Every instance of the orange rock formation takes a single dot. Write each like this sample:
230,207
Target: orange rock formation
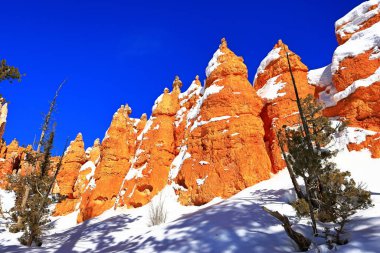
215,140
274,85
224,151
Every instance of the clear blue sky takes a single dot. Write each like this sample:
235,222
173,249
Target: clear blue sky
116,52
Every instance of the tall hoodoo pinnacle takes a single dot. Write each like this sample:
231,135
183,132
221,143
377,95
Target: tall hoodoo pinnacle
177,83
223,43
197,80
128,109
223,63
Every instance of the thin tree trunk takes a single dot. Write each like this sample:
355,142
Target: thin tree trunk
302,115
48,116
302,242
23,204
308,142
296,186
54,178
45,126
311,210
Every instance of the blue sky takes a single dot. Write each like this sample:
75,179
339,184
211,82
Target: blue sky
114,52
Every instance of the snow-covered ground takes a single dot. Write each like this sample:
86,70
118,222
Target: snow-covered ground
237,224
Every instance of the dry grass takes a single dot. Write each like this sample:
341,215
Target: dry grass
157,211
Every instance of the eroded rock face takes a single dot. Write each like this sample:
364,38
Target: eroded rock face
350,85
72,161
224,126
3,116
155,152
360,18
116,150
355,68
216,140
274,85
372,142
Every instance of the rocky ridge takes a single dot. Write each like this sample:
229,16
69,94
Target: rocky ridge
216,139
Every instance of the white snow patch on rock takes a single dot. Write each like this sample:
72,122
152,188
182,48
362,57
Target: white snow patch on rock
359,43
320,77
213,63
158,100
201,181
177,162
86,166
273,55
271,89
201,123
375,53
3,113
354,20
135,172
330,97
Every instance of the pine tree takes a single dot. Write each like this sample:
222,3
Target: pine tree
9,73
331,195
32,190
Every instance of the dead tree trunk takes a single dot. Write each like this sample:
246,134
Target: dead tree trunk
296,186
302,242
308,143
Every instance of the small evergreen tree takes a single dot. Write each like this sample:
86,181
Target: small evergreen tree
341,198
9,73
32,190
30,213
331,195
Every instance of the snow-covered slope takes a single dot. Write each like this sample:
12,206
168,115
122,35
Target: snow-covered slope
237,224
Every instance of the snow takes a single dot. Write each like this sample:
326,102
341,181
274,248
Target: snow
236,224
201,123
158,100
194,112
273,55
135,172
271,89
213,63
375,53
321,77
91,184
3,113
193,90
331,97
353,20
203,162
7,200
177,162
86,166
88,151
201,181
106,136
357,135
146,128
359,43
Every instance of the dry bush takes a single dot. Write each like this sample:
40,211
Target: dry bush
157,211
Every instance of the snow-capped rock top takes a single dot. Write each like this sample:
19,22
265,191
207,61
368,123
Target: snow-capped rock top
359,43
273,55
224,63
321,77
361,17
